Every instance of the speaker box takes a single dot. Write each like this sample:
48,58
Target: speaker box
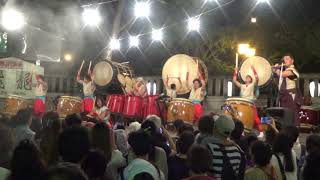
284,117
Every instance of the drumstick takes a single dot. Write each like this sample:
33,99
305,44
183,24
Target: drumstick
89,69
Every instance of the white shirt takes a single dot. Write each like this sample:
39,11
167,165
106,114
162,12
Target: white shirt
291,84
196,94
4,173
171,93
41,89
290,175
247,91
88,88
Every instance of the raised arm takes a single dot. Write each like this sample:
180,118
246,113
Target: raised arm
255,75
235,81
78,74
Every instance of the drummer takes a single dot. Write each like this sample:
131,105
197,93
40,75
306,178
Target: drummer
248,91
196,96
41,89
101,110
140,88
88,89
171,90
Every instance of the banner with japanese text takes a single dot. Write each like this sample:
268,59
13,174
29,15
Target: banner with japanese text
16,77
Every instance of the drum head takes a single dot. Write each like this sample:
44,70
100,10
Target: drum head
239,100
261,65
102,73
121,79
179,66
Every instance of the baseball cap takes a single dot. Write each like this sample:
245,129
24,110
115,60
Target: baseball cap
224,125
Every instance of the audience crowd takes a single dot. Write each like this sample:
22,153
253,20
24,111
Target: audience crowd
76,148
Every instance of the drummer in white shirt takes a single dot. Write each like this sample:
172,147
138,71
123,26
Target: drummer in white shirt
88,90
248,91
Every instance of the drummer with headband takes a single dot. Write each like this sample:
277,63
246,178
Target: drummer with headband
197,94
248,91
41,89
88,89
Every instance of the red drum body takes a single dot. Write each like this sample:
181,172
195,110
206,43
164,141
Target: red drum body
115,103
133,106
150,106
309,116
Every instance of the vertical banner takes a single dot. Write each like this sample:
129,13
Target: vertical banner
16,78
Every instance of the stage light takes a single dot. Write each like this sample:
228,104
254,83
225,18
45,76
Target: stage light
157,34
134,41
12,20
263,1
91,17
253,20
114,44
68,57
142,9
243,48
193,24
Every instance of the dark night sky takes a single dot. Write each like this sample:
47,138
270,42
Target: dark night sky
61,19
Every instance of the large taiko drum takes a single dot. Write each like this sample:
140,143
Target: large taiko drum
261,65
68,105
12,104
309,117
133,106
106,72
241,109
115,103
180,109
181,70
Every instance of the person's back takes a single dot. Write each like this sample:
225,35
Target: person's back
177,167
22,130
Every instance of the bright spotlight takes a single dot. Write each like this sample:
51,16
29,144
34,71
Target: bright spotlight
12,20
91,17
142,9
194,24
114,44
253,20
263,1
134,41
157,34
68,57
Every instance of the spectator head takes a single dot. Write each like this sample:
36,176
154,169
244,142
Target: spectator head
185,128
73,144
223,126
238,130
140,143
206,124
270,135
26,162
51,120
73,119
313,143
251,139
261,153
6,144
178,124
24,117
292,132
133,127
155,119
283,144
101,139
184,142
65,171
199,159
311,169
150,127
94,164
